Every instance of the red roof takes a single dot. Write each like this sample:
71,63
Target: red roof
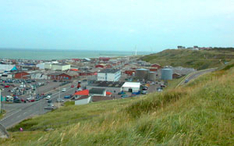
74,69
108,93
83,92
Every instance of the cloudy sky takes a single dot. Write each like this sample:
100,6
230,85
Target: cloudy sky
115,24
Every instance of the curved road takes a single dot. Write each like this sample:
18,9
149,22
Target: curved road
195,75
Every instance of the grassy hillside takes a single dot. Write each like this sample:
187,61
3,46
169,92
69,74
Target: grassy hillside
200,113
188,58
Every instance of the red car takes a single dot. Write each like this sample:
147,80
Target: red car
72,86
31,100
7,86
23,100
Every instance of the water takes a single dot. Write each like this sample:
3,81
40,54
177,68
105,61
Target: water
39,54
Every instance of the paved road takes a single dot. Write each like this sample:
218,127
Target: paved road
18,112
196,75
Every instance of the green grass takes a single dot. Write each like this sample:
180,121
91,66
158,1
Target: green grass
173,83
2,114
188,58
200,113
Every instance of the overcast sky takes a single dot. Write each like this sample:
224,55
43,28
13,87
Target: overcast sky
116,24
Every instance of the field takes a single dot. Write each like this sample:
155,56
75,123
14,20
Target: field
193,59
200,113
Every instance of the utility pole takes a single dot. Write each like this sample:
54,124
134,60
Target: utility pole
0,100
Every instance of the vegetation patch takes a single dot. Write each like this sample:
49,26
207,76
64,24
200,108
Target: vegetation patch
202,59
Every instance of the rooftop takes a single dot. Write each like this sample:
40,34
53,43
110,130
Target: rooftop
107,84
97,91
109,70
132,84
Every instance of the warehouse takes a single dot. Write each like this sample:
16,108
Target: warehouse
60,67
6,67
131,86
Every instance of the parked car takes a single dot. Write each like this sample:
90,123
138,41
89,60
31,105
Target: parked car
6,86
17,100
48,97
144,92
67,97
64,90
9,98
159,89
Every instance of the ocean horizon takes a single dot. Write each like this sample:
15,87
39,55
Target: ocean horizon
49,54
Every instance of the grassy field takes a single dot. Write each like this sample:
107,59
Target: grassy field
188,58
200,113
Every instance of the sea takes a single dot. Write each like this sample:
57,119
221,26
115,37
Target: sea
45,54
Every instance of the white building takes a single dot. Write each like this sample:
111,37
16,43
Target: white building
109,75
131,86
38,76
56,66
60,67
5,76
6,67
48,65
41,66
83,100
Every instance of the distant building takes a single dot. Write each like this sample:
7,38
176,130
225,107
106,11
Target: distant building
56,66
104,59
61,67
6,67
180,47
41,66
22,75
109,75
61,76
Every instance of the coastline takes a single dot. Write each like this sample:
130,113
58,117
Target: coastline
61,54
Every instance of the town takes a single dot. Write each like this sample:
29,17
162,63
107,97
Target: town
83,80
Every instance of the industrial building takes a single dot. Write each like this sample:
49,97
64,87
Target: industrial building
113,87
166,74
60,67
56,66
131,86
142,74
7,67
152,76
109,75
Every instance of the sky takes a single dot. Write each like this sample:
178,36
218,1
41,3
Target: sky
116,25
